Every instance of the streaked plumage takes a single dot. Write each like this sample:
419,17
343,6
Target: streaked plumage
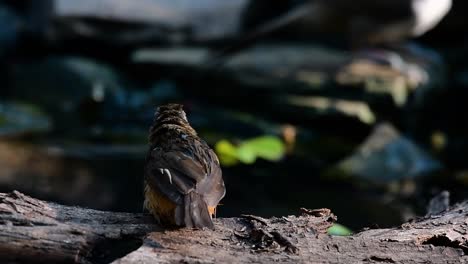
183,179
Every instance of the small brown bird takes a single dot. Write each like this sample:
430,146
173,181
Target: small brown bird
183,179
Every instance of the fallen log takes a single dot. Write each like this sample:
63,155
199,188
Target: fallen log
34,231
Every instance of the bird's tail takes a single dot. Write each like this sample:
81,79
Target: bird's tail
193,212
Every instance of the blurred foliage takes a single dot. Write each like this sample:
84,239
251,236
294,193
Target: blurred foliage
266,147
339,230
20,118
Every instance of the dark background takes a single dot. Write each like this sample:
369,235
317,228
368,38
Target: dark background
79,92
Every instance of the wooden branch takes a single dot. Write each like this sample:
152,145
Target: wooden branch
437,239
33,231
36,231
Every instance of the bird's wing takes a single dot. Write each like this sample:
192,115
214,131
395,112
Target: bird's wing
212,187
173,173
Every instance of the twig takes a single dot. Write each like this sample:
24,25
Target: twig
259,219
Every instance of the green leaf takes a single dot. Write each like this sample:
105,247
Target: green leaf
227,153
246,154
339,230
267,147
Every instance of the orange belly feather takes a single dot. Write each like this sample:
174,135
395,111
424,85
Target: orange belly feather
159,206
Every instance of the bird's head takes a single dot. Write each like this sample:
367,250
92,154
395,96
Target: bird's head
169,121
170,111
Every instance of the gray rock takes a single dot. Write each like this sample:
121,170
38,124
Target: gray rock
439,203
62,82
387,156
153,20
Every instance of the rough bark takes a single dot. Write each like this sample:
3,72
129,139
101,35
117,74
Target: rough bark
33,231
36,231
